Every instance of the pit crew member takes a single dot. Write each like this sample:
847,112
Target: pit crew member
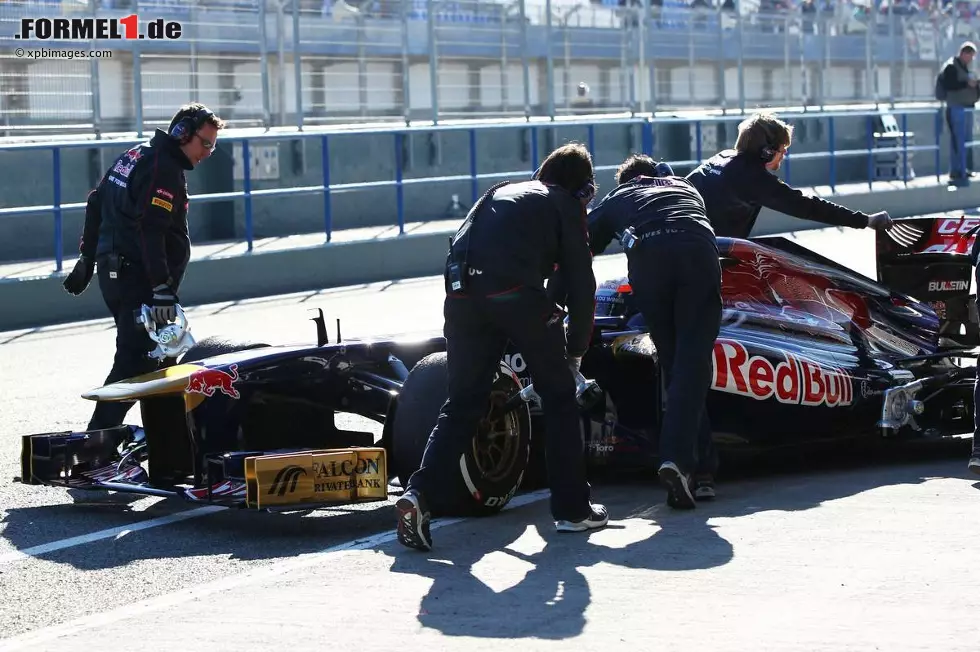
676,281
136,234
509,243
737,183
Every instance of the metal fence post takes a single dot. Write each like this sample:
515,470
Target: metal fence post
653,64
738,49
56,161
281,61
870,83
137,80
192,54
264,64
474,183
433,60
247,192
690,60
786,69
641,67
362,74
298,67
550,76
905,148
524,64
406,65
720,83
891,67
94,83
399,189
905,58
504,103
832,137
325,163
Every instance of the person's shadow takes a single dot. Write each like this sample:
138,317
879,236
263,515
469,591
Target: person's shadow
529,579
513,576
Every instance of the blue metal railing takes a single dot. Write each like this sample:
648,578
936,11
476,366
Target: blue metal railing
648,145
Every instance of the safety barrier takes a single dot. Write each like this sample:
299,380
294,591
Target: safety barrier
648,146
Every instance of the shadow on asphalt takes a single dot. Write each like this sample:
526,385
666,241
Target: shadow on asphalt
550,601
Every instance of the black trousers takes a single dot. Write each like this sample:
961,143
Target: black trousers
676,280
477,330
124,295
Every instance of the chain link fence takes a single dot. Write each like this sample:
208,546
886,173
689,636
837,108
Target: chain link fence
268,63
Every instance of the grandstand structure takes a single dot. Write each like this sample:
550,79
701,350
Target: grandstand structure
298,63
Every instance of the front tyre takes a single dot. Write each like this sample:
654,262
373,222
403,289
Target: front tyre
492,466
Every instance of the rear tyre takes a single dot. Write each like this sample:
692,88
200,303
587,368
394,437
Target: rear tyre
494,463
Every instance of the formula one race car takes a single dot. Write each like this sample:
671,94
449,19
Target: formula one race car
808,351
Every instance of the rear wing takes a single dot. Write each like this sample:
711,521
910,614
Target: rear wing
929,258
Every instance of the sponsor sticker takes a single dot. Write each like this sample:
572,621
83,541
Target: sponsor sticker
948,286
162,203
795,380
164,193
316,477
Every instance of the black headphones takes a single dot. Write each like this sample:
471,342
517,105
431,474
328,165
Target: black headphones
768,151
586,192
187,126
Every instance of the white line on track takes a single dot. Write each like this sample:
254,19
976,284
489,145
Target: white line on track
45,634
35,551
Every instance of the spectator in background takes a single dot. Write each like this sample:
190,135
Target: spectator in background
957,86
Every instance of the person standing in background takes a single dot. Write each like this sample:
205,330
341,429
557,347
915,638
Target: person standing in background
956,85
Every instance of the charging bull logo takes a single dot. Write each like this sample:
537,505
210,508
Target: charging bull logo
209,381
795,380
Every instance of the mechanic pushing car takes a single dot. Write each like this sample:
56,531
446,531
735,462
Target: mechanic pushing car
498,261
136,233
737,183
675,277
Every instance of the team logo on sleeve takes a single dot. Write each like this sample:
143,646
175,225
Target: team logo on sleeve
165,193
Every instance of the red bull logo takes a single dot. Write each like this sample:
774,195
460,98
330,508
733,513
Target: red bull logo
209,381
794,380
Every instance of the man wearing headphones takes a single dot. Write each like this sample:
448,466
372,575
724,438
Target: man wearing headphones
136,232
737,183
675,278
509,243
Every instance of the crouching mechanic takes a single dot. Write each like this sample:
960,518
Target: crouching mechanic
498,261
676,280
136,231
737,183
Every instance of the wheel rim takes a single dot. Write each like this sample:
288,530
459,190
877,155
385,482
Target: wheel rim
496,446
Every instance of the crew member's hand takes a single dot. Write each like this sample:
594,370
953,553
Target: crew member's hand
880,221
79,278
574,364
162,306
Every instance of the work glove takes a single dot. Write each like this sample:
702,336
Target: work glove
880,221
79,277
574,364
162,307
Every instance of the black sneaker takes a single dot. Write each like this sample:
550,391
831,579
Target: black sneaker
413,521
974,463
678,486
597,519
704,487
